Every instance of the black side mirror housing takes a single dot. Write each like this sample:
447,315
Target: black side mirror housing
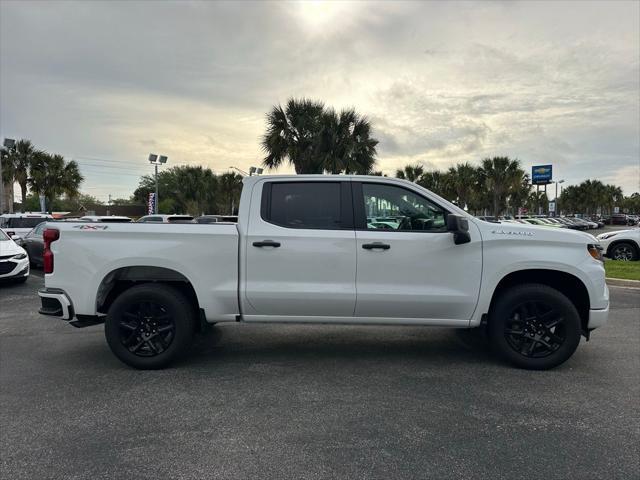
459,226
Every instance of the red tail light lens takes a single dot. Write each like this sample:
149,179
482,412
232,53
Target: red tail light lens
49,235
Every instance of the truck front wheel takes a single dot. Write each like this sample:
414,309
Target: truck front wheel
534,327
150,325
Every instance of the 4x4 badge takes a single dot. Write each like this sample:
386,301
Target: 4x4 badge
91,227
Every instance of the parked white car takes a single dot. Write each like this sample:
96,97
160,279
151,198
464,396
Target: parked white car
303,251
157,218
14,261
22,223
621,244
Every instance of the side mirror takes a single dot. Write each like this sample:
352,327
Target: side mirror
11,234
459,226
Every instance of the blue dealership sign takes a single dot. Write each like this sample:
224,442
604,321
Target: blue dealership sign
541,174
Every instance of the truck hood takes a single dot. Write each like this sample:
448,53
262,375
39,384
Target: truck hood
534,232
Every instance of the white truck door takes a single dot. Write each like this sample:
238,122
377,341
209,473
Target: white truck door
408,265
300,250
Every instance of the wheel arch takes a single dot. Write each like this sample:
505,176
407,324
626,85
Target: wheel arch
630,241
569,285
123,278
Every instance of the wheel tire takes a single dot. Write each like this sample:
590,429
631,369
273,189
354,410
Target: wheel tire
529,308
624,251
146,310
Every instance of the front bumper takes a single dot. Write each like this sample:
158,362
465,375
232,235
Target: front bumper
598,318
14,268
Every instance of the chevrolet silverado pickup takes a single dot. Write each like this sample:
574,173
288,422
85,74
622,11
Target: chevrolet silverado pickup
328,249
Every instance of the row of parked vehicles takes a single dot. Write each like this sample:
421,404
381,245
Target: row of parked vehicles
22,241
574,223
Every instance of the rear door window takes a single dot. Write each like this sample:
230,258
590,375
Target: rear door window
314,205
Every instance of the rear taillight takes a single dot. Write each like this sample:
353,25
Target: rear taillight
49,235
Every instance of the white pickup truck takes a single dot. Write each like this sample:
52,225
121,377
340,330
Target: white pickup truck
328,249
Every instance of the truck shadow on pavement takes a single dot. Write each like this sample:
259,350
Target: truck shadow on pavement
304,346
308,344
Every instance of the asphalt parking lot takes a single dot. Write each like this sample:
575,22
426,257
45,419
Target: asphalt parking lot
314,402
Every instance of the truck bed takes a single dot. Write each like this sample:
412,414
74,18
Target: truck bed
88,256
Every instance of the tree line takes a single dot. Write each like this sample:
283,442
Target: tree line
41,172
593,197
500,186
192,189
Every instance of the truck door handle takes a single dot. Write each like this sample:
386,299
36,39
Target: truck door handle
266,243
371,246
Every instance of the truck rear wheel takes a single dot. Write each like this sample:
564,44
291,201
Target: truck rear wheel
149,326
534,327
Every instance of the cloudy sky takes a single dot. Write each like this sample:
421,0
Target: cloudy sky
443,82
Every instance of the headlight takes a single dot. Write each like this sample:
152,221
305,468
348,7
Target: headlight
19,256
604,236
595,251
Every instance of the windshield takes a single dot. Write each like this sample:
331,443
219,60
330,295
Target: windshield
3,236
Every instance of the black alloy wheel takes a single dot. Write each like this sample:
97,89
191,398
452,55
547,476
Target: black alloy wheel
146,329
150,325
534,326
535,329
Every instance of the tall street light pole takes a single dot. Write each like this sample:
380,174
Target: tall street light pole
252,171
156,160
556,197
241,171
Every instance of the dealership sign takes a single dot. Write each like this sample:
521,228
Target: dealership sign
151,204
541,174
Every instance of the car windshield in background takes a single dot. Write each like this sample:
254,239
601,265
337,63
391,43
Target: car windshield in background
180,219
24,222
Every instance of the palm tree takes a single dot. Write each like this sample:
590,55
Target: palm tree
8,177
520,195
193,188
52,176
230,186
463,179
22,156
413,173
436,181
314,139
500,176
361,153
613,196
292,136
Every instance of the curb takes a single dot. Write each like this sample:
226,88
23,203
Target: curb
618,282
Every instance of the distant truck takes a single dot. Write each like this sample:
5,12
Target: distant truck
304,251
